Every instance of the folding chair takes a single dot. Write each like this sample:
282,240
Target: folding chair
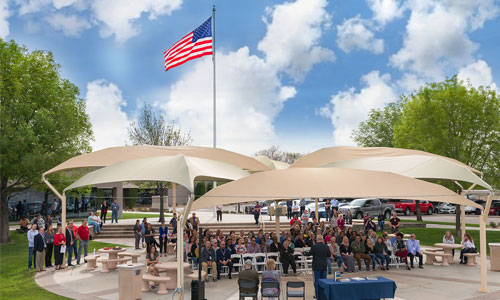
249,256
300,260
276,257
237,263
270,285
247,285
308,260
260,261
295,293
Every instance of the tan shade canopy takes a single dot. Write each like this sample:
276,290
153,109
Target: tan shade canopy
272,164
110,156
415,166
179,169
334,154
296,183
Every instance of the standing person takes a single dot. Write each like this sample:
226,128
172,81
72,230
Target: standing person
25,208
341,222
144,225
295,209
54,207
328,206
305,217
335,204
400,249
219,213
137,233
394,223
223,259
289,205
70,242
163,238
59,240
49,240
150,238
348,217
381,221
413,247
19,210
195,221
31,245
82,234
449,239
358,248
256,213
104,211
302,205
40,245
208,259
115,207
320,253
173,223
75,245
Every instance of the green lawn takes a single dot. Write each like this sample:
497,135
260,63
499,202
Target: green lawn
430,236
441,223
16,282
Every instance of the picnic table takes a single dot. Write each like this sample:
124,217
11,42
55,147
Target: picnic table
393,235
170,268
447,249
112,254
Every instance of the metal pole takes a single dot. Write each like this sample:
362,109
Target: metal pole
482,242
174,196
213,60
277,218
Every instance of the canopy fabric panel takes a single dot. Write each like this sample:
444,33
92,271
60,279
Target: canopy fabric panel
272,164
113,155
335,154
415,166
179,169
296,183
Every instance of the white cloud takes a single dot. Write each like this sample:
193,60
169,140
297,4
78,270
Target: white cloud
384,11
70,25
118,16
31,6
436,37
105,108
478,73
410,82
4,16
291,43
356,33
348,108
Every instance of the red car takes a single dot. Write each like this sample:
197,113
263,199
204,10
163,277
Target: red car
410,206
495,209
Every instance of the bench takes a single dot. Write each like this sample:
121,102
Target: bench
105,268
471,259
194,275
170,248
91,261
132,255
431,258
162,289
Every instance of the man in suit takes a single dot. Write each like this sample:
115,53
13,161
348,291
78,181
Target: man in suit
70,242
208,258
223,259
249,275
320,253
40,246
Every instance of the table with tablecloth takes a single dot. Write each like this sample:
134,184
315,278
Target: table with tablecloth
354,290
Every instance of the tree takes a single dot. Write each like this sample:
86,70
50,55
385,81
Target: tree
275,153
42,121
151,129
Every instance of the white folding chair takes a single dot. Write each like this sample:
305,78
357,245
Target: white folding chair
237,263
300,260
276,257
260,261
308,261
249,256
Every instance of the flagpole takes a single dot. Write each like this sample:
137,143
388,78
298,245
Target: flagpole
213,60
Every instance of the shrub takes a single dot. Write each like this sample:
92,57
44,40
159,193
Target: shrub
493,224
130,197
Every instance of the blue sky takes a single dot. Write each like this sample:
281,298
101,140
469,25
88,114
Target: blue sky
298,74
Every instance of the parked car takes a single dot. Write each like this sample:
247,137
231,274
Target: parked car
373,206
495,209
410,206
321,208
265,210
470,209
447,208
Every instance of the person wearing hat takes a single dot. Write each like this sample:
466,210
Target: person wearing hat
249,275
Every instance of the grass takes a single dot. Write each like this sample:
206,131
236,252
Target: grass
430,236
439,223
16,282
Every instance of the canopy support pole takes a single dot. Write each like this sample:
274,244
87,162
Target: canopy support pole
462,220
316,212
63,200
277,218
174,197
484,262
180,248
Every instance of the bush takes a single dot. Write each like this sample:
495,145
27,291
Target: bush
199,190
130,198
493,224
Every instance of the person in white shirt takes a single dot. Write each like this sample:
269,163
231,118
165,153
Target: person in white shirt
305,217
468,247
31,245
295,208
219,212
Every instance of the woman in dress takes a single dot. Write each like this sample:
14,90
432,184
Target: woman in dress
59,240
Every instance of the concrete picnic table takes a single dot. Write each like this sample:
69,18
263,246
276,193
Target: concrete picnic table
447,249
112,254
393,235
170,268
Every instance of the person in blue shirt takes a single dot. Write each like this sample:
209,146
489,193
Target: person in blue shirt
223,259
143,230
114,211
31,245
413,247
163,239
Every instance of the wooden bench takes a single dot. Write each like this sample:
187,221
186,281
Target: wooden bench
134,256
471,259
194,275
105,268
147,279
431,258
91,261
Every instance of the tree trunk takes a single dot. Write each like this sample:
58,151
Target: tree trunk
419,213
458,223
4,215
162,208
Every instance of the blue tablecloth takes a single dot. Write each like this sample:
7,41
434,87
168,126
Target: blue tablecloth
356,290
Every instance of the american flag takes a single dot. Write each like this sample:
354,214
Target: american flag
195,44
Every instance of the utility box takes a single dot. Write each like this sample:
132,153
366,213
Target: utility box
494,256
130,281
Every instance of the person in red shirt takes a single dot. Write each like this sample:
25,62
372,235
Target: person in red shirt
82,234
59,240
295,220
